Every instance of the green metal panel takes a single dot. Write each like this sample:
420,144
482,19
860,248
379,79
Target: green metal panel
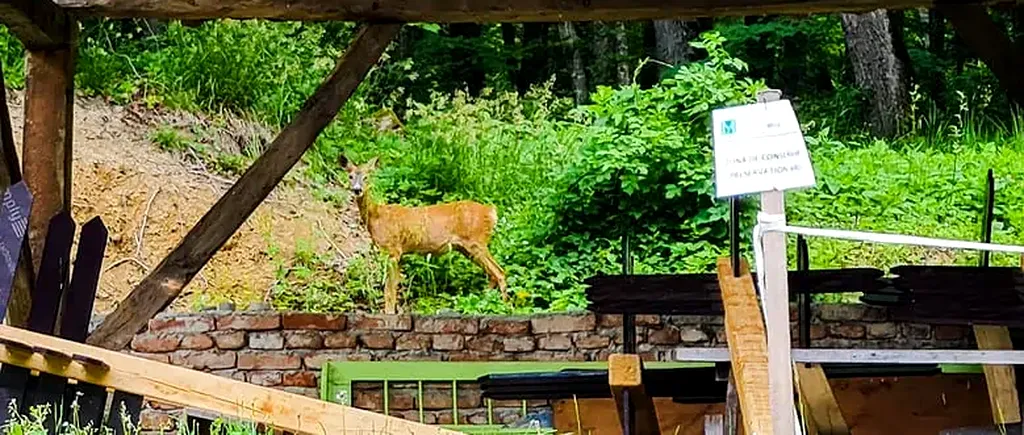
337,377
961,368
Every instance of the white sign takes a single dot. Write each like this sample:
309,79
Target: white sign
759,148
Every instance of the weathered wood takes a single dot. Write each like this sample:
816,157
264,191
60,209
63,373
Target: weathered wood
775,302
192,388
10,174
990,43
748,348
817,396
625,378
38,23
732,407
46,147
170,277
868,356
1001,380
474,11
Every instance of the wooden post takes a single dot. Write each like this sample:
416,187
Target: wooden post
625,378
46,147
819,401
775,299
170,277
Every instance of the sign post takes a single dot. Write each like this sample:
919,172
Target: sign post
759,148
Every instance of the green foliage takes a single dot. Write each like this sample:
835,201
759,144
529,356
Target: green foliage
313,281
35,424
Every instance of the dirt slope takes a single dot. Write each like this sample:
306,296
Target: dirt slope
149,199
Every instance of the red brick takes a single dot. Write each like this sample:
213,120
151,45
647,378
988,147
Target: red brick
197,342
299,379
592,341
182,324
847,331
518,344
370,400
266,379
273,340
303,340
669,335
504,326
312,393
446,325
875,330
448,342
268,360
232,340
204,360
230,374
377,340
950,332
692,335
472,356
377,322
316,360
160,406
609,320
155,343
249,322
323,322
340,340
563,323
484,343
555,342
155,420
412,341
401,398
916,330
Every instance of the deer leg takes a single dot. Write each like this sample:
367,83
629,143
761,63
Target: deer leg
391,287
482,256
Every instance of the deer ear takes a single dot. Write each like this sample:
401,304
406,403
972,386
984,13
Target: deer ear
372,164
345,163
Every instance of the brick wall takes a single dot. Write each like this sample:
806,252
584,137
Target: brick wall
286,350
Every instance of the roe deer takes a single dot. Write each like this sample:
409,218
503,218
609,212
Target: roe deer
465,226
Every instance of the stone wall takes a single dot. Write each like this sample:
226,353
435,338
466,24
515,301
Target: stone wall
286,350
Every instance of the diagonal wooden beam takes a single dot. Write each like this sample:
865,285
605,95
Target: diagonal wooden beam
170,277
38,23
477,10
817,396
748,346
1000,379
990,43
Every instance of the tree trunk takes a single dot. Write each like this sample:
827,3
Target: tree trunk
577,72
508,39
623,74
535,61
672,40
467,62
877,68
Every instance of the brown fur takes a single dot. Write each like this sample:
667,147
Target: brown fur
465,226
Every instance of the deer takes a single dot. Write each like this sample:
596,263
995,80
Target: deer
465,226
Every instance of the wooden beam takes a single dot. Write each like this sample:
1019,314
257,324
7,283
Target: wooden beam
37,23
869,356
181,386
1000,379
475,11
10,173
990,43
170,277
816,394
625,374
46,147
748,348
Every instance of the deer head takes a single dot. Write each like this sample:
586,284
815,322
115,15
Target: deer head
358,176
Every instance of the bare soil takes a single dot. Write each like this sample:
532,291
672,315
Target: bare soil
149,199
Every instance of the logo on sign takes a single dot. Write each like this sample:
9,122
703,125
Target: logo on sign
729,127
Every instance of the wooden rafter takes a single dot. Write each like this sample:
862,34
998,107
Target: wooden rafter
475,10
38,23
170,277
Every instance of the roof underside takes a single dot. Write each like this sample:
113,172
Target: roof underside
479,10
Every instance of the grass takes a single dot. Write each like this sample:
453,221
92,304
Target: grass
36,421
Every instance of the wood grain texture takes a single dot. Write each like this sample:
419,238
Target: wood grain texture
37,23
180,386
818,399
474,11
625,373
170,277
1000,379
748,348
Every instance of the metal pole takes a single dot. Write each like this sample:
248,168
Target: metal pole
628,336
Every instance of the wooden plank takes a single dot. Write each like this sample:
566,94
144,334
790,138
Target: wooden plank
170,277
1000,379
625,378
46,147
989,41
474,11
816,394
869,356
37,23
10,174
748,348
181,386
714,424
732,407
